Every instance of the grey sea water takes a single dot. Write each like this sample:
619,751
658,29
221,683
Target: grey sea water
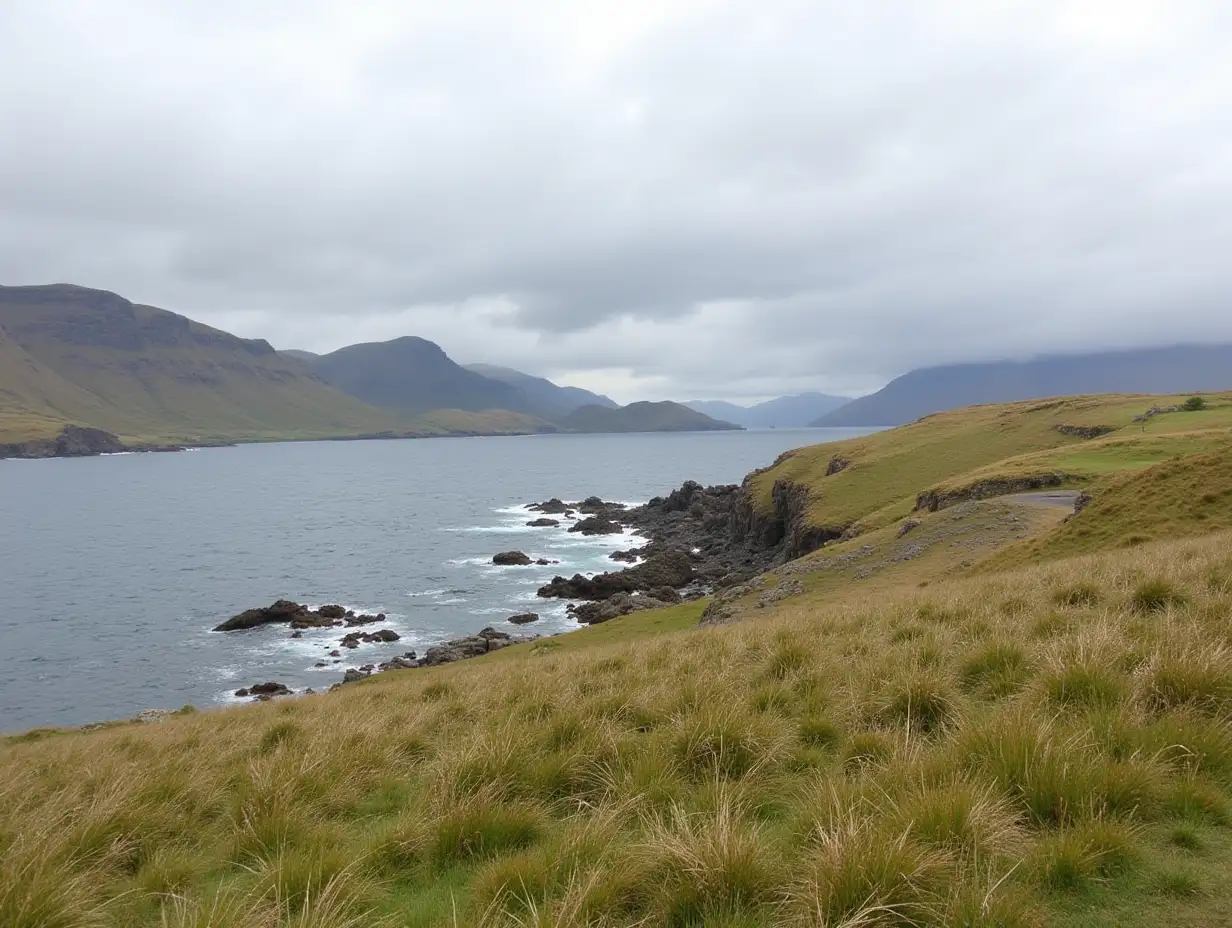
113,570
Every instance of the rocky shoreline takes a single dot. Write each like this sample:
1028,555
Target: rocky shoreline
76,441
700,540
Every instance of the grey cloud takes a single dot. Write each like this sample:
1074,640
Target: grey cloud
863,187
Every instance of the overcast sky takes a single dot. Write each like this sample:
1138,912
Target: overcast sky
655,199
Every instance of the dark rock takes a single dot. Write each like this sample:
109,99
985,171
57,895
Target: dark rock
385,635
632,556
596,525
333,611
354,676
512,559
269,689
72,442
284,610
242,692
335,653
907,526
935,500
836,466
544,523
1082,501
523,618
320,664
297,634
674,569
553,506
544,562
1086,432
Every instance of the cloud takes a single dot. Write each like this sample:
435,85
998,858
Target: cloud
657,199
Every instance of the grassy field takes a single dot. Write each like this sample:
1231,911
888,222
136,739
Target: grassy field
973,723
886,471
1181,497
1045,747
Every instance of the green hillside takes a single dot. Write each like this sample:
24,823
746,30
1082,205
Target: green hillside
985,450
94,358
642,417
905,729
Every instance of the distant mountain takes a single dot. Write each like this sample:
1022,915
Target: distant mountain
73,355
552,400
642,417
298,355
1175,369
786,412
413,375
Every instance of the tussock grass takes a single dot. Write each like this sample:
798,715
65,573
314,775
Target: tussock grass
814,767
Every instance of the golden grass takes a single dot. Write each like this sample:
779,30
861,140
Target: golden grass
1037,738
956,449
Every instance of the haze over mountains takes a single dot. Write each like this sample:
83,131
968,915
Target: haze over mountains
1171,369
786,412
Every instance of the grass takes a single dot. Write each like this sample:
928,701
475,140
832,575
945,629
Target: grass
953,450
979,723
813,767
1191,495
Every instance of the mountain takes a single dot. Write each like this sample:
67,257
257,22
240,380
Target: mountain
308,356
413,375
552,400
642,417
786,412
1174,369
73,355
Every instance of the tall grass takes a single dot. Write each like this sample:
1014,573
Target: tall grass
814,767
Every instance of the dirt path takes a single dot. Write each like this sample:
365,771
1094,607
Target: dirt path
1061,498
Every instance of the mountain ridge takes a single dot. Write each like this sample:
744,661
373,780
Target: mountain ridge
921,392
794,411
664,416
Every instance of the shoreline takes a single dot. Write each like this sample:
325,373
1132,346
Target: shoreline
10,451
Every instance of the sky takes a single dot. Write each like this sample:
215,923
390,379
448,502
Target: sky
650,198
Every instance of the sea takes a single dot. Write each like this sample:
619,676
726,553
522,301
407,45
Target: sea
114,570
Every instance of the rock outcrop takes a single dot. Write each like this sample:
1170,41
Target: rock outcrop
512,559
74,441
298,616
935,500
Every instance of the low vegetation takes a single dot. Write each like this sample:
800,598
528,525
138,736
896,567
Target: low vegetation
1071,441
996,715
1051,746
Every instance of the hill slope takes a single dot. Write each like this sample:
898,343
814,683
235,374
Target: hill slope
642,417
551,400
413,375
785,412
93,358
1182,368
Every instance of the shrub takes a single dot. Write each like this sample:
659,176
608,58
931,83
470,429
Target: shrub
1195,800
1156,596
1194,404
1086,684
1177,884
726,744
481,828
997,669
819,733
922,702
1081,595
1050,774
961,817
858,873
1187,678
710,865
1092,850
